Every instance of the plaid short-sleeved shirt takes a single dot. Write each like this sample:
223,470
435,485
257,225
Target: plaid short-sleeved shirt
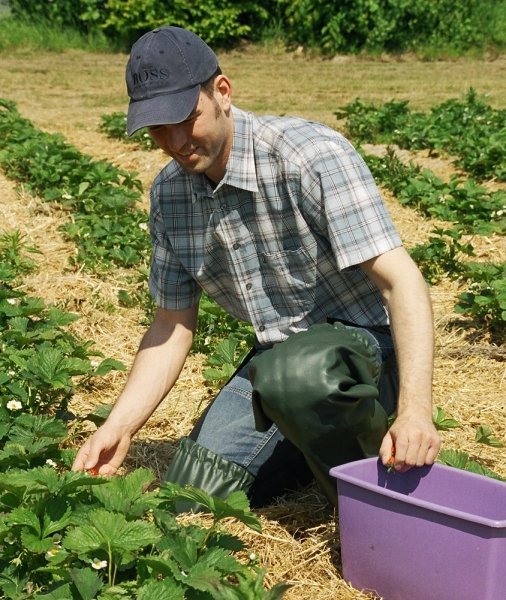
279,241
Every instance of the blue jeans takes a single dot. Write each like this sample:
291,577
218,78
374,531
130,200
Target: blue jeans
228,429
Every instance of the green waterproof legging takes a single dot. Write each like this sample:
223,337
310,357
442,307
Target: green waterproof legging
321,387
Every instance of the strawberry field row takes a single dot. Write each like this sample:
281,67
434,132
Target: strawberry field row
471,210
107,227
469,129
68,535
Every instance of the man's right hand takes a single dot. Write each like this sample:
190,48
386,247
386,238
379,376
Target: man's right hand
104,452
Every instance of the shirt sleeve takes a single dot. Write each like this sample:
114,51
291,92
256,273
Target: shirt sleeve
171,286
344,202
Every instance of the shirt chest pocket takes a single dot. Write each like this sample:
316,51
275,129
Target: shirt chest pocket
289,277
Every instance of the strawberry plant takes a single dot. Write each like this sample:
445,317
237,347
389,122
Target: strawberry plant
367,123
28,440
138,293
484,436
40,359
441,421
114,126
460,460
215,324
73,536
389,171
466,203
442,255
485,299
13,261
224,360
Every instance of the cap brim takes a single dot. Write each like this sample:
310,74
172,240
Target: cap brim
161,110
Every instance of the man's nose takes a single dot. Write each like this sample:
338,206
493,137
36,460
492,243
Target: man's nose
175,137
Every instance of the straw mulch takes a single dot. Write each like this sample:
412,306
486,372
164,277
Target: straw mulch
300,538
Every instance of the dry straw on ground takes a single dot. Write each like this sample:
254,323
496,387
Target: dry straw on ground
300,538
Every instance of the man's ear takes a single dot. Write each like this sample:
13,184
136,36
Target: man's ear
223,91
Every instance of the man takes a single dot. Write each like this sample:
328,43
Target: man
279,220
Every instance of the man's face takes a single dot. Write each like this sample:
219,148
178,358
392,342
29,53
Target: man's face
201,143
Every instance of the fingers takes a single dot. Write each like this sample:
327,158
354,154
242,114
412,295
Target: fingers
416,442
111,460
103,453
81,457
386,449
88,456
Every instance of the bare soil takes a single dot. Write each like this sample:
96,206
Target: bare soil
69,92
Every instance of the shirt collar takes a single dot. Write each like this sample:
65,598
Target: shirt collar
241,169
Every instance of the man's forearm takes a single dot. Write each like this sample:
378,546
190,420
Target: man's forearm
413,331
410,311
157,365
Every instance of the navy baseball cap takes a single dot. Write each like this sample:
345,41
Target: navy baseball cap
163,76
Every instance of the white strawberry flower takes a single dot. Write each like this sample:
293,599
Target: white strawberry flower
143,226
51,463
14,405
98,564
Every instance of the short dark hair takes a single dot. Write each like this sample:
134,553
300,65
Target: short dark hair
208,86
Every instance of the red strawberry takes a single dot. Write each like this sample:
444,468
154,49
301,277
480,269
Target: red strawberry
391,461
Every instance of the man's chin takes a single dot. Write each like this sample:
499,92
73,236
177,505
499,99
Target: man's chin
191,168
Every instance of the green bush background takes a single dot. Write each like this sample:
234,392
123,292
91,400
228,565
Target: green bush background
333,26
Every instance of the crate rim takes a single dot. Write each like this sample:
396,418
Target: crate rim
340,474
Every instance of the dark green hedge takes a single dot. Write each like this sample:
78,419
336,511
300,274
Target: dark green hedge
335,26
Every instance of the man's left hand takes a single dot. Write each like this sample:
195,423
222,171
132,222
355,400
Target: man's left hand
415,439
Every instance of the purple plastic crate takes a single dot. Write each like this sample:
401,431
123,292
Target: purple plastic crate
432,533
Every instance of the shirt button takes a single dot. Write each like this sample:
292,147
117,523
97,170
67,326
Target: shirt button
235,246
261,328
223,206
249,286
